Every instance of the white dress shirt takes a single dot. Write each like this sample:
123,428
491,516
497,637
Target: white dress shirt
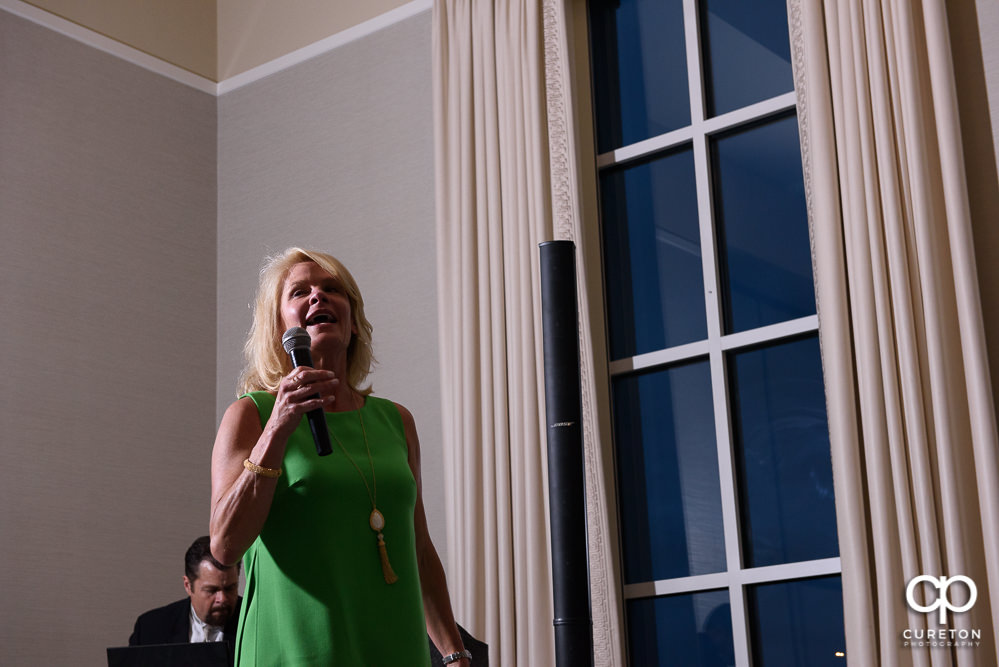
202,632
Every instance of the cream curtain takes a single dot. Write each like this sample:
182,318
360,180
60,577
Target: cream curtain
503,95
911,415
493,210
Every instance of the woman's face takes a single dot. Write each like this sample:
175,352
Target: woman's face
313,299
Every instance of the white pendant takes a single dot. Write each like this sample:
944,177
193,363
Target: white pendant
376,521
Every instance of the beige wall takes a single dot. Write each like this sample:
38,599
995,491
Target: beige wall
337,154
125,274
218,39
254,32
107,313
124,315
181,32
135,212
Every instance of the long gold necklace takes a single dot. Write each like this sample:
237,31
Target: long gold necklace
376,519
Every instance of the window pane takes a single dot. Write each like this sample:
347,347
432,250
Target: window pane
655,288
683,630
747,54
797,623
670,506
762,224
639,70
782,452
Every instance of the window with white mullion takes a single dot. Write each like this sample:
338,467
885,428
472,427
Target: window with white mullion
669,140
695,72
726,523
723,434
664,357
771,333
737,576
755,112
643,149
729,499
729,342
712,296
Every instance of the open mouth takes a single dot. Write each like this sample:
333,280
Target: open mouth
320,318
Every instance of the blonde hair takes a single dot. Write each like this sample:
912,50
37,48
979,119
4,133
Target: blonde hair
266,360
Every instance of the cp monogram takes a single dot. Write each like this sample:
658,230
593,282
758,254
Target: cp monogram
943,602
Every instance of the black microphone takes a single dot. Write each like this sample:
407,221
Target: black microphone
298,344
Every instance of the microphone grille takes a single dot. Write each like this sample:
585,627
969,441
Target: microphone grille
296,338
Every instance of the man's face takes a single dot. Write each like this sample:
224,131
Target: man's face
213,593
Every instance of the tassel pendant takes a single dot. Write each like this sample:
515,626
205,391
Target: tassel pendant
377,523
390,576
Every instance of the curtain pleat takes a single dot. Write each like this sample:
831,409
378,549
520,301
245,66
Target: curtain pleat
493,209
912,425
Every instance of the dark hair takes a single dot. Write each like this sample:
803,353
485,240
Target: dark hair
198,552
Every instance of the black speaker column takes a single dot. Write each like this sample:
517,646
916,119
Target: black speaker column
567,494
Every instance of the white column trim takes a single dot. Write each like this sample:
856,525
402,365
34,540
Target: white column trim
570,183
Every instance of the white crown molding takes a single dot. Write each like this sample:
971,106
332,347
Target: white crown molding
326,45
108,45
181,75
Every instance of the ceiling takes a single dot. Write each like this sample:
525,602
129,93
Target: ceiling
218,39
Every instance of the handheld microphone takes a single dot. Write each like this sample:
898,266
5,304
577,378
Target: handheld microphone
298,344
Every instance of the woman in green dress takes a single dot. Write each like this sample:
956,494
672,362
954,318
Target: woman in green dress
340,568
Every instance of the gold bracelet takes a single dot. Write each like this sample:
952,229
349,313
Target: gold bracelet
260,470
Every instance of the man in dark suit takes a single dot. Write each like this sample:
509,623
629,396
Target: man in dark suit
208,613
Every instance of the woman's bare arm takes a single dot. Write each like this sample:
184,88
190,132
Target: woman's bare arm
242,499
436,601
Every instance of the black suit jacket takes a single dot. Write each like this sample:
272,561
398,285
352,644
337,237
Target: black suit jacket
172,625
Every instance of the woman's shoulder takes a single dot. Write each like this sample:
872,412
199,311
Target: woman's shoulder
377,402
259,398
395,413
254,404
380,404
242,419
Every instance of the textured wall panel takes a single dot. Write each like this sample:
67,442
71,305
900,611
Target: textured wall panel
181,32
337,154
107,295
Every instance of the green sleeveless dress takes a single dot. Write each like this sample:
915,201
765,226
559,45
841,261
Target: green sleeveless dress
315,593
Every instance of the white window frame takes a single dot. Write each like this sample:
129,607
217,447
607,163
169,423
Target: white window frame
698,135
